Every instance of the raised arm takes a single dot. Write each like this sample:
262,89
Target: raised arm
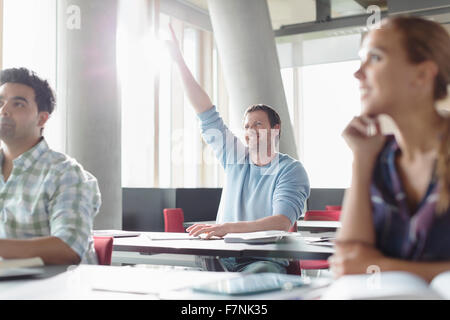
195,93
363,137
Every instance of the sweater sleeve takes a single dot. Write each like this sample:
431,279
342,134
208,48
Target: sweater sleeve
227,148
292,191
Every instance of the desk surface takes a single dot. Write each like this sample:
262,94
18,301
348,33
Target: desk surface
111,282
290,249
124,283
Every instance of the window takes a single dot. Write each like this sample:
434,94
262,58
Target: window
322,96
161,142
326,156
165,114
137,79
30,42
191,136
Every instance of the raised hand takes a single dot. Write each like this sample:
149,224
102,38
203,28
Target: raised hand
363,136
198,97
173,46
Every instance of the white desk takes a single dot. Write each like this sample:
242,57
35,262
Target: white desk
295,249
108,282
88,282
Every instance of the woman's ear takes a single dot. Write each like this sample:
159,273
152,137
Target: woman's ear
427,71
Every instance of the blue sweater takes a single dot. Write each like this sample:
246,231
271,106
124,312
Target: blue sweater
253,192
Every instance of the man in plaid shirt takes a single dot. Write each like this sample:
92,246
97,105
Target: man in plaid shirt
47,200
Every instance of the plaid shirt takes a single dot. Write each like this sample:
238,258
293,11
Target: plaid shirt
418,234
49,194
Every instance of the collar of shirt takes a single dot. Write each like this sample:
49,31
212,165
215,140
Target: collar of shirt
26,159
388,159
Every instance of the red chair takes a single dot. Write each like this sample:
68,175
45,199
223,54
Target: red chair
173,220
333,208
103,247
322,215
319,215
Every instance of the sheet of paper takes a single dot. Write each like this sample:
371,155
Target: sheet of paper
257,235
109,282
144,280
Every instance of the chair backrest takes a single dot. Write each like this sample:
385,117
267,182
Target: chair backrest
173,220
103,248
322,215
293,228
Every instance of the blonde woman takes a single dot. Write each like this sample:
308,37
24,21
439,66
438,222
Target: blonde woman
396,213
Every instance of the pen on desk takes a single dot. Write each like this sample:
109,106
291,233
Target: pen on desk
322,240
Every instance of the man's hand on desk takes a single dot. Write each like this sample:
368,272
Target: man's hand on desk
276,222
211,230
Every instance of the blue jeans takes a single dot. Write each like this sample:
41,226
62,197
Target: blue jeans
251,265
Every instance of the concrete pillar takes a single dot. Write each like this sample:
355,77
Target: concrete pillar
88,91
246,45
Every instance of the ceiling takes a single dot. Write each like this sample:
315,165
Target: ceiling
286,12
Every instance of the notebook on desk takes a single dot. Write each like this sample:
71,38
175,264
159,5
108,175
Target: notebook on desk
240,286
252,283
19,272
15,268
259,237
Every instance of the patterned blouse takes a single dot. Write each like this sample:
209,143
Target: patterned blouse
419,234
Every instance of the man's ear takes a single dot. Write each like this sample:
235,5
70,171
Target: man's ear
276,129
43,117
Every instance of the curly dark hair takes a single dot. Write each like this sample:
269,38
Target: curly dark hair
44,95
